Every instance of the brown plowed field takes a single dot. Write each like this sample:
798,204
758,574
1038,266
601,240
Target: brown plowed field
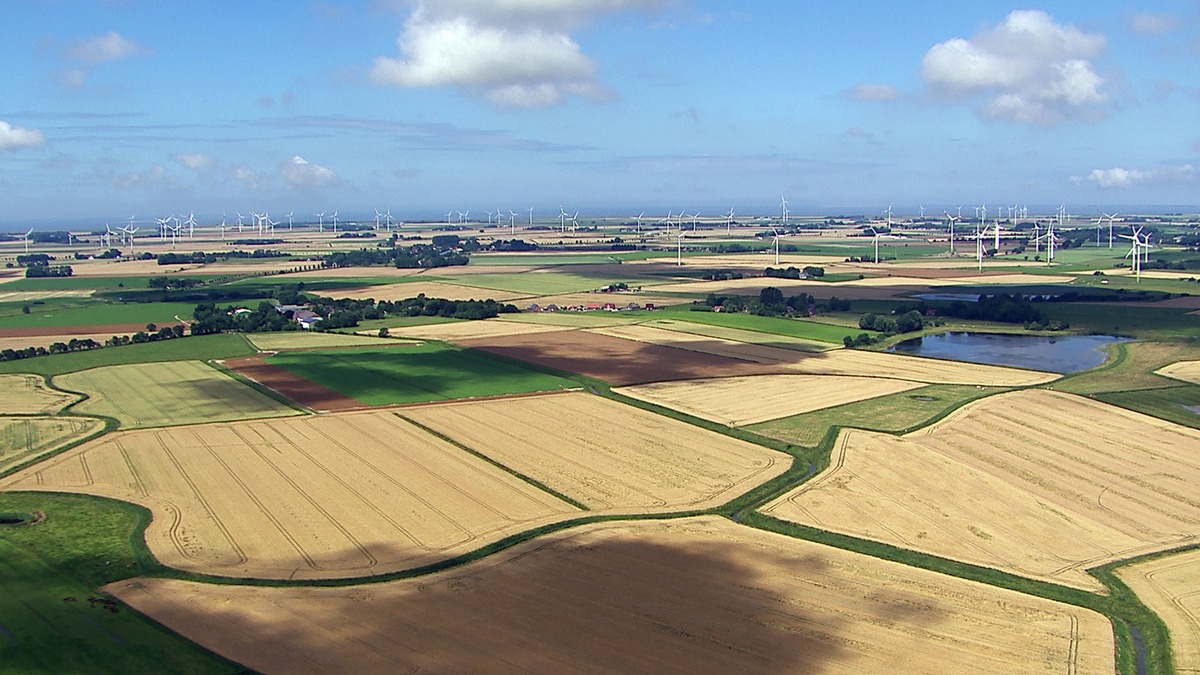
699,595
1037,483
614,360
305,392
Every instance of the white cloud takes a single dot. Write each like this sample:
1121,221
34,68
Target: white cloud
1118,177
512,52
15,138
195,162
102,48
249,178
1027,69
152,177
872,92
297,172
1147,24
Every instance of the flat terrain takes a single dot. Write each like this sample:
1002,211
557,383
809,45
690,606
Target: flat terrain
28,394
916,369
606,455
312,497
1037,483
282,341
304,392
431,289
170,393
615,360
756,353
738,401
681,596
1188,371
743,335
24,438
1170,587
469,330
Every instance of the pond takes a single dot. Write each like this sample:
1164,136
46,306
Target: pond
1056,354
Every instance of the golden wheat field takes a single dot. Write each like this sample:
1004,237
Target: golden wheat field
1188,371
1170,587
467,330
1037,483
693,595
916,369
737,401
303,339
25,438
314,497
28,394
169,393
431,289
606,455
741,335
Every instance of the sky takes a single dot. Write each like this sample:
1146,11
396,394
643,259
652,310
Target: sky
112,108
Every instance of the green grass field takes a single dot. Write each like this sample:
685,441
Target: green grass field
739,335
192,348
137,283
428,372
303,339
1175,404
83,543
895,413
94,313
168,393
796,328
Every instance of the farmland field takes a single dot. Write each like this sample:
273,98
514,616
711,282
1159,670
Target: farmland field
170,393
604,454
1188,371
467,330
741,335
24,438
314,497
25,393
536,282
694,595
298,339
576,319
1170,586
101,313
797,328
192,348
1037,483
917,369
410,288
744,351
739,401
416,374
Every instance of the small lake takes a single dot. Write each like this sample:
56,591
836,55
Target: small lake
1056,354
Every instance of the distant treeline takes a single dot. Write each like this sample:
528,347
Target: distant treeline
771,302
200,257
416,256
151,334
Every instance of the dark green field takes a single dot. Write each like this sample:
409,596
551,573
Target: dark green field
799,328
94,313
415,374
199,348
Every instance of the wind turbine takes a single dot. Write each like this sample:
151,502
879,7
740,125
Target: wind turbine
776,246
240,216
639,221
131,232
222,227
562,219
512,223
979,247
387,219
575,222
997,231
335,221
26,238
889,220
875,238
783,204
951,219
1110,227
1140,247
320,221
290,220
378,215
191,223
729,222
531,215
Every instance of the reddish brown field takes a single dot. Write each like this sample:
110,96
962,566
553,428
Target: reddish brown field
54,331
305,392
616,361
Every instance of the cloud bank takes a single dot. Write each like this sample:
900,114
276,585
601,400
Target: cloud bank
15,138
1028,69
1118,177
512,52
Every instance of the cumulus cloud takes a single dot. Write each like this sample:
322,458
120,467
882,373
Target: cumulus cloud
299,173
1027,69
512,52
15,138
195,162
872,92
1118,177
108,47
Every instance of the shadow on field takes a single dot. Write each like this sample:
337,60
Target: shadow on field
573,602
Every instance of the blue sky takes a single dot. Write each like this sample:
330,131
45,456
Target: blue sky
117,107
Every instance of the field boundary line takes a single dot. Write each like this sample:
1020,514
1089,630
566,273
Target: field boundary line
259,387
475,453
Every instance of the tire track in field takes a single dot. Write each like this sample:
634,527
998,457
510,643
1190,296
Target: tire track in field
196,492
308,498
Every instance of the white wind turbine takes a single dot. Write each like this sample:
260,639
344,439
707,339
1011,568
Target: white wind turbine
131,231
191,223
512,223
378,215
783,205
1140,247
776,246
290,220
980,237
875,239
320,221
729,221
951,220
222,227
26,238
1111,218
531,215
387,219
639,221
575,222
562,219
335,221
889,220
240,217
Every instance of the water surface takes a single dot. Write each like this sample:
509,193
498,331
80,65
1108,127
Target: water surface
1056,354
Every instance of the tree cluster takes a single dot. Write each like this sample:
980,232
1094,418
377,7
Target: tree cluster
418,255
771,302
793,273
44,270
907,322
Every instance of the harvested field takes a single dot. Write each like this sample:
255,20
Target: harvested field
349,273
29,296
687,596
27,394
1188,371
285,340
574,319
1170,587
25,438
606,455
469,330
431,289
7,341
305,392
742,335
312,497
621,300
821,289
916,369
65,333
169,393
1037,483
756,353
737,401
614,360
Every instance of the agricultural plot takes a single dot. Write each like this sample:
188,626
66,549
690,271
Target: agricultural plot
756,353
615,360
191,348
416,374
741,335
431,289
1037,483
28,394
535,282
314,497
575,319
25,438
1170,587
1188,371
285,340
694,595
792,328
916,369
738,401
171,393
606,455
621,300
469,330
